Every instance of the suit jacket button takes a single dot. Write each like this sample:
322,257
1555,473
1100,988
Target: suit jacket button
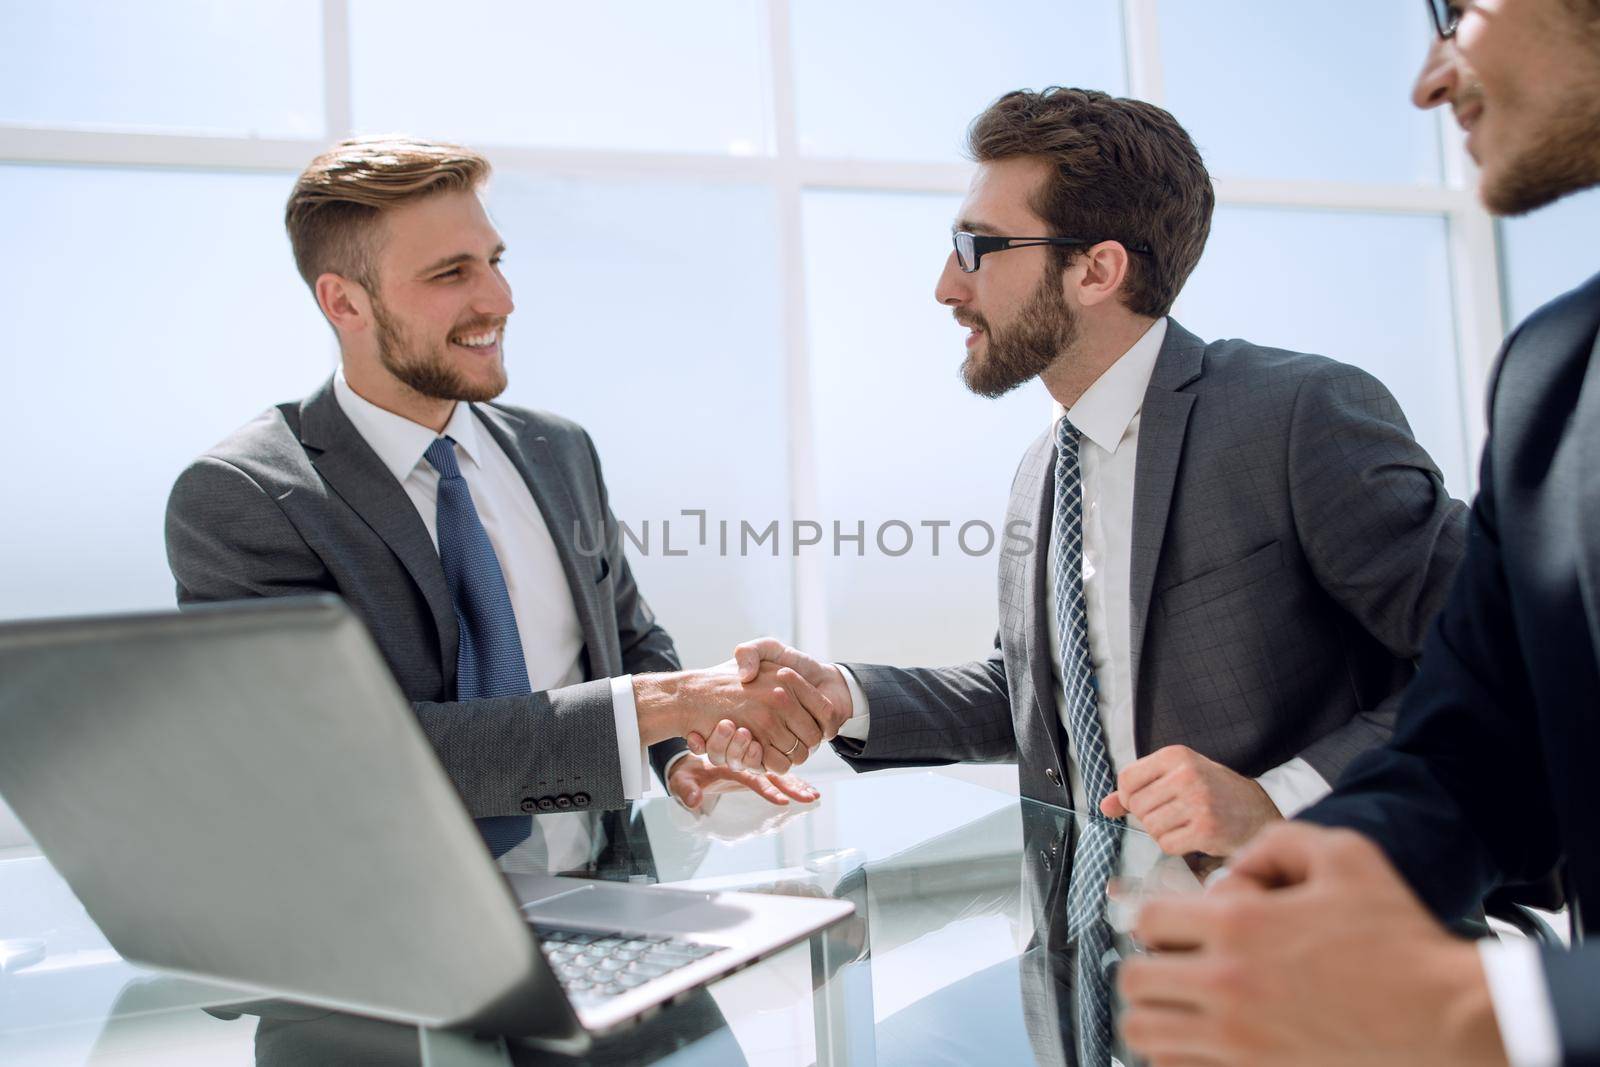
580,800
528,804
1045,856
563,803
547,804
1050,773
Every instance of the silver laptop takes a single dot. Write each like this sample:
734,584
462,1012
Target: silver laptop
241,792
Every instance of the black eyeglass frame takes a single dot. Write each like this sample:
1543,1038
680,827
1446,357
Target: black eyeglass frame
983,244
1446,16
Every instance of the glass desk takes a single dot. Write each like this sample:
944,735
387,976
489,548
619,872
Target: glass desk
960,951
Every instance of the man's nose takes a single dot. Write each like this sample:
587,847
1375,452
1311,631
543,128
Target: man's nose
952,288
1436,82
495,298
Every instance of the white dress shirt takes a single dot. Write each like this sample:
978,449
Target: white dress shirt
1521,999
547,620
1107,415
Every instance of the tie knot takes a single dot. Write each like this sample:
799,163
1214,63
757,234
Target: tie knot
1067,435
442,456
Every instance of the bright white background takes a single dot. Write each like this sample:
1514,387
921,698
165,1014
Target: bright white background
725,221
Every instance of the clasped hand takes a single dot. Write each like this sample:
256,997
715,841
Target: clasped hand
778,715
728,742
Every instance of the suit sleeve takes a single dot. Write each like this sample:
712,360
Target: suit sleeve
928,716
1572,977
1458,798
227,539
1378,529
646,645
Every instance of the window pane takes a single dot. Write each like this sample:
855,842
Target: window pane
1369,290
1540,257
616,333
666,343
143,315
901,79
899,437
1312,91
194,66
616,74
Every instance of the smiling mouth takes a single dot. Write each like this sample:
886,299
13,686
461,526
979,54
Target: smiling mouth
482,341
1469,118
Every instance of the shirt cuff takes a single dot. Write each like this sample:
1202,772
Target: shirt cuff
1521,1000
632,757
860,720
1294,786
666,775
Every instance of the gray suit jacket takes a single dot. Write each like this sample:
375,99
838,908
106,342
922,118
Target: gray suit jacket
1291,544
297,502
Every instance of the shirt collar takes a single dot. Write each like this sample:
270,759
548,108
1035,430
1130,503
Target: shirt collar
1105,409
397,440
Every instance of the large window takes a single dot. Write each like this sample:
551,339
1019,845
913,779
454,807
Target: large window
1294,93
633,75
1549,252
724,235
167,66
900,79
1306,280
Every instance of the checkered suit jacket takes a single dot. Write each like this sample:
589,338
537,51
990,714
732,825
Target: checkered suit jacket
1291,544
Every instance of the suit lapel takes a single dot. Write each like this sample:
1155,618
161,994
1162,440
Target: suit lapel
532,457
1163,423
350,467
1040,655
1588,496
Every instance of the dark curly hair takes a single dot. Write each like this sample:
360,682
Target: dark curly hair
1124,170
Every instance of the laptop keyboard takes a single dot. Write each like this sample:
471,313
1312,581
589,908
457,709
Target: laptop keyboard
592,967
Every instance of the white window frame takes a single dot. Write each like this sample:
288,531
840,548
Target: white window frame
1474,255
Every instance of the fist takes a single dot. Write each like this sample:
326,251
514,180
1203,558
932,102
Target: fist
1189,803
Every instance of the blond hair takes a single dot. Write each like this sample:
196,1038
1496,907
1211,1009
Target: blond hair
338,199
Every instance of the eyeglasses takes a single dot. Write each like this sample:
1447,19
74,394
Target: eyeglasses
972,247
1446,17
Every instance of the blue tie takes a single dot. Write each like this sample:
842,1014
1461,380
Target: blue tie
489,662
1099,841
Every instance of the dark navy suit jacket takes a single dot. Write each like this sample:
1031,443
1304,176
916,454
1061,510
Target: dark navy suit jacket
1492,774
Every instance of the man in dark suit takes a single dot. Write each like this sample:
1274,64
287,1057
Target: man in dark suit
1229,553
1319,948
475,539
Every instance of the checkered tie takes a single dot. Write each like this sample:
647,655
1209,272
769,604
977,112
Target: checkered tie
489,660
1095,855
1099,840
1094,995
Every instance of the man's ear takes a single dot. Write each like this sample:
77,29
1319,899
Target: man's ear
345,303
1101,271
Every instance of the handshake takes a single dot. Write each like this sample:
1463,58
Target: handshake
768,707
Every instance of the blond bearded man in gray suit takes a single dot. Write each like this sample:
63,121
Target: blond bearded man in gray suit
337,493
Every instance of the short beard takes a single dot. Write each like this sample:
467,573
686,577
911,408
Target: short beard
1564,160
1044,328
427,371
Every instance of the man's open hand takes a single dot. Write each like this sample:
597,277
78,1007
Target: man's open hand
697,784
